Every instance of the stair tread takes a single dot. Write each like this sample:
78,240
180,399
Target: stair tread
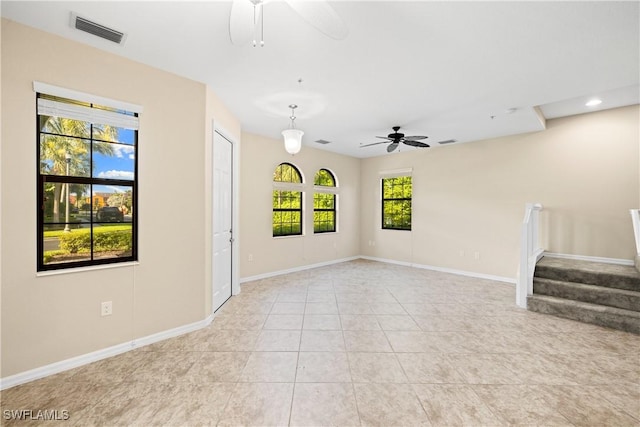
587,305
588,273
589,287
590,267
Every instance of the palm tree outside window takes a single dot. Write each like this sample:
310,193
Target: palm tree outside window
86,184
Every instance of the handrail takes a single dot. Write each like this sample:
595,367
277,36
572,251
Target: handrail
635,218
530,252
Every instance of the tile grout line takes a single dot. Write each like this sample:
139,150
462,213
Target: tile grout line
295,373
353,386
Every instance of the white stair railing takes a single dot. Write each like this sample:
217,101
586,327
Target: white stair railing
530,253
635,217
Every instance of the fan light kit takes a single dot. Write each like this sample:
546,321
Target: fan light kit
292,136
396,138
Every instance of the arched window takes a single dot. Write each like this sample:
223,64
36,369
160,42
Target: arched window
324,202
287,201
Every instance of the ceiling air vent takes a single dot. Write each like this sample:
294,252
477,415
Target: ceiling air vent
96,29
323,142
448,141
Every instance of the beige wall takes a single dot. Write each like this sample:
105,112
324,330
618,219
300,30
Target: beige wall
470,198
51,318
260,157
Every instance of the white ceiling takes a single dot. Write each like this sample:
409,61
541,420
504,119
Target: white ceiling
448,70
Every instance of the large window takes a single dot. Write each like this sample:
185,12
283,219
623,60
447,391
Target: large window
324,202
287,201
87,187
396,203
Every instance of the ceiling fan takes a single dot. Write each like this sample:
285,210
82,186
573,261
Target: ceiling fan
396,138
246,21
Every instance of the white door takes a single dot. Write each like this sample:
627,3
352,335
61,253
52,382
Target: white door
222,214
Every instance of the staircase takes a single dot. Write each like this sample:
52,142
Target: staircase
602,294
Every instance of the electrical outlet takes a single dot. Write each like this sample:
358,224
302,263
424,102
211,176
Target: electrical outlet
106,308
250,257
461,253
476,255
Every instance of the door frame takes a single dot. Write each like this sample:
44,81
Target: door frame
235,193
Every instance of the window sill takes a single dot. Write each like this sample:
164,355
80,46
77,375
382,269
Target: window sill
293,236
85,269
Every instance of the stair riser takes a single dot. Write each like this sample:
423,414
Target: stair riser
587,293
589,278
608,320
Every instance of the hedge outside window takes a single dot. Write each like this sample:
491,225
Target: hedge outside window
287,201
324,202
396,203
86,161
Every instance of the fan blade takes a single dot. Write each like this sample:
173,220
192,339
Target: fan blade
375,143
241,21
392,146
415,143
385,137
413,138
321,15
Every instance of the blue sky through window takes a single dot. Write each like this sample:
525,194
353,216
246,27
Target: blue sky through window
120,165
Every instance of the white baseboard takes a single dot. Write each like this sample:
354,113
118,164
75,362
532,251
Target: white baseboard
511,280
74,362
617,261
386,261
296,269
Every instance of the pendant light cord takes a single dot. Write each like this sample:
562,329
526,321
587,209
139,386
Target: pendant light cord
293,115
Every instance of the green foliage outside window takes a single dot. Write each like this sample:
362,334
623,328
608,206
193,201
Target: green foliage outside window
324,212
286,172
324,204
104,239
287,213
325,178
287,204
396,203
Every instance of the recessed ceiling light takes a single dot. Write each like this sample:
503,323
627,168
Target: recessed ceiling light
593,102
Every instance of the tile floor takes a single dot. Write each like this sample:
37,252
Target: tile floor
360,343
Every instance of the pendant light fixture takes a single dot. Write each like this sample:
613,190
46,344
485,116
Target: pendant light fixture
292,136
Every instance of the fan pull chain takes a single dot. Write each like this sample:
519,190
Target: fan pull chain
257,4
262,26
254,25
